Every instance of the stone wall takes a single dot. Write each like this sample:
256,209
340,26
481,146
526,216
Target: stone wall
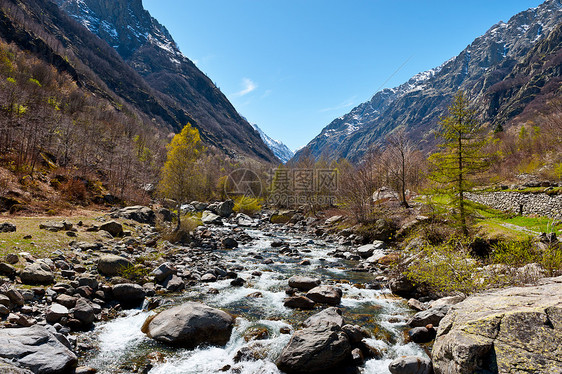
539,204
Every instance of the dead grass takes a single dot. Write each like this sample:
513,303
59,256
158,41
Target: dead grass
42,242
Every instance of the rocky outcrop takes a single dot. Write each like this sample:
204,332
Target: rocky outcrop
36,349
485,69
514,330
189,325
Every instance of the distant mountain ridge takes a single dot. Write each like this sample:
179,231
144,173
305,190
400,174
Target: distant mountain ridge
417,104
150,50
280,150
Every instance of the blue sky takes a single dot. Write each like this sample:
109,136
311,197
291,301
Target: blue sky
292,66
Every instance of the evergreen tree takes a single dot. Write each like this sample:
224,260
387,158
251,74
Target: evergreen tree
461,157
181,178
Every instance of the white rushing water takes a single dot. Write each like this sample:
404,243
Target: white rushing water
121,342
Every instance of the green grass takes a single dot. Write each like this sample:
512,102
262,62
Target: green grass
496,223
43,243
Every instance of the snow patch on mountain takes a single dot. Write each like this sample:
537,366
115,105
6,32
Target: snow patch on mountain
280,150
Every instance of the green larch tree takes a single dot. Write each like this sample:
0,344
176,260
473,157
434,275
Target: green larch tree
461,157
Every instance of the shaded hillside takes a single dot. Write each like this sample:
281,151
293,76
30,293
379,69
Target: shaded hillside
418,103
150,50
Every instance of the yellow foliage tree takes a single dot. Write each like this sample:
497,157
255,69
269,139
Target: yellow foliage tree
181,178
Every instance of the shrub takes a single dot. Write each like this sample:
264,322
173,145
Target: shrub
247,205
188,224
521,253
74,190
446,268
135,273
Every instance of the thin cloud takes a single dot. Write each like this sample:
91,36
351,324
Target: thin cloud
345,104
248,85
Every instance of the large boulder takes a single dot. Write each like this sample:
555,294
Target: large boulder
319,348
113,227
303,283
325,295
330,315
129,294
36,349
513,330
224,209
141,214
189,325
37,273
111,265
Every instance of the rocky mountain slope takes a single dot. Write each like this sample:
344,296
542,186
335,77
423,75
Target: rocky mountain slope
279,149
156,80
150,50
492,70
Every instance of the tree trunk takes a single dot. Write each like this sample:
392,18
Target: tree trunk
179,218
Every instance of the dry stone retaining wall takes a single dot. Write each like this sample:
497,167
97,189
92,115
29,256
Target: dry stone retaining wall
539,204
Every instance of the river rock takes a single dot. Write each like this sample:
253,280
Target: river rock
141,214
243,220
513,330
410,365
113,227
36,349
84,312
37,273
112,265
174,283
402,286
331,315
321,347
299,302
422,334
163,271
7,269
367,250
210,218
303,283
129,294
55,312
325,295
15,296
189,325
7,227
223,209
430,316
229,243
